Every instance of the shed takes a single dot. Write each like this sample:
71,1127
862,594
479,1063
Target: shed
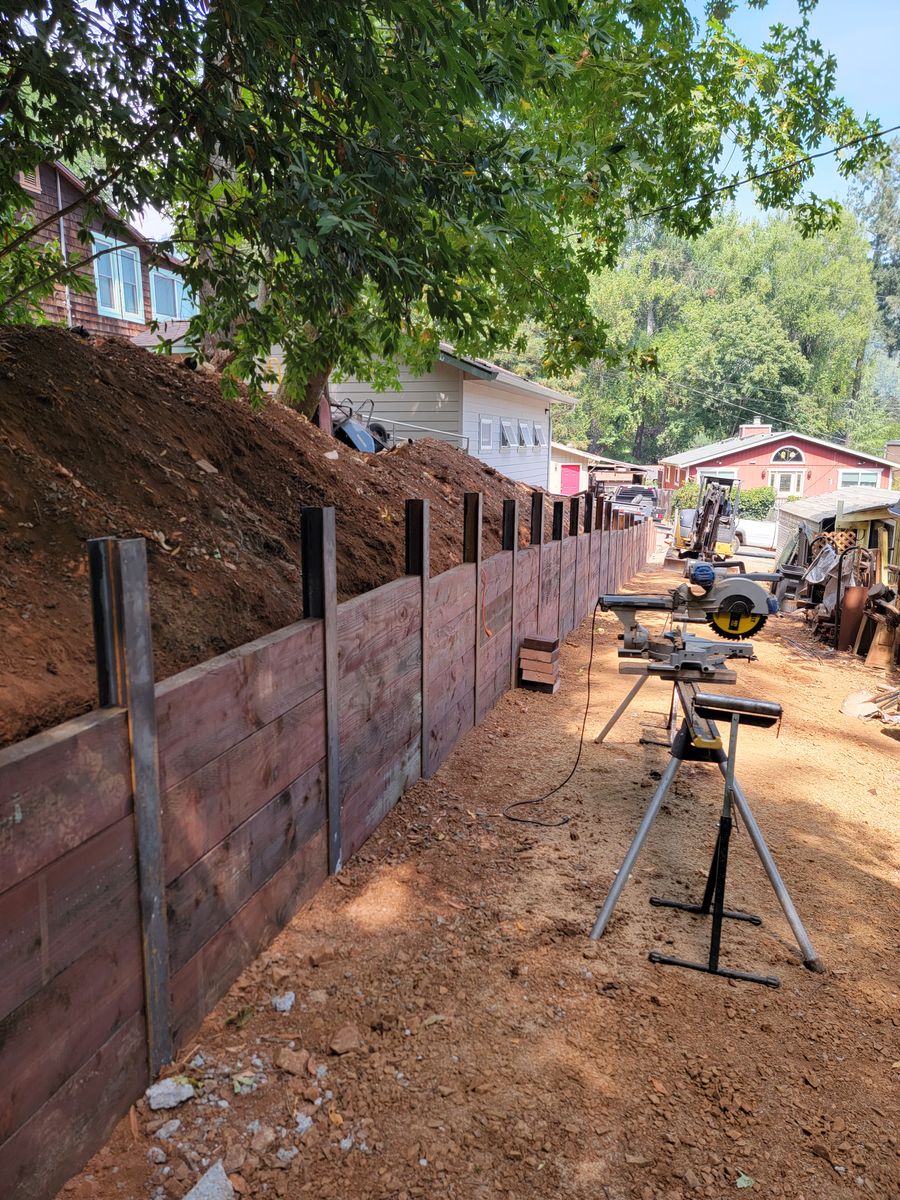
873,512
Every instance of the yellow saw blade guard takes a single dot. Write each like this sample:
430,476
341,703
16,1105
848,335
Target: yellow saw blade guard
736,625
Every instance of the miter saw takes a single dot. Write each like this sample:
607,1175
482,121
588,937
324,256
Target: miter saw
734,606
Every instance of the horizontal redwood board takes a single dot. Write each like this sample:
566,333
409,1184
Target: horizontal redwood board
371,686
391,725
495,652
211,891
76,1121
369,624
495,615
451,642
447,731
201,983
374,794
59,788
52,1034
493,688
202,712
450,686
449,594
204,808
496,573
80,900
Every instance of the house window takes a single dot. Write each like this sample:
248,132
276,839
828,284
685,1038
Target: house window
526,438
858,478
788,454
786,483
485,433
30,180
170,300
117,275
540,438
507,433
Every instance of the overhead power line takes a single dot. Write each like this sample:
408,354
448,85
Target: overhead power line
730,187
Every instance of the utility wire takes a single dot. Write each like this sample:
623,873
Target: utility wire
730,187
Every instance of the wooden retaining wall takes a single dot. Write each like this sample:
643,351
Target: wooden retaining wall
149,850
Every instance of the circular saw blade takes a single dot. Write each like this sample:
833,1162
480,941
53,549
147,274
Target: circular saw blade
735,624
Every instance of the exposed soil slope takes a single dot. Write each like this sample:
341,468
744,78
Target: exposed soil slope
499,1052
98,437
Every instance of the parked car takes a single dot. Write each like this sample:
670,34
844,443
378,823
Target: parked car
761,535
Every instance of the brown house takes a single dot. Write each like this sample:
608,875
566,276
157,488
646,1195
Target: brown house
133,284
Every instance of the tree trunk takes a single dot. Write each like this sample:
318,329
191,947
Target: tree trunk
313,393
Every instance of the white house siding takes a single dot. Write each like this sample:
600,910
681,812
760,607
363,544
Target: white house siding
484,399
432,400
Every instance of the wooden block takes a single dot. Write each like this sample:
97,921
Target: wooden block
545,644
536,675
549,688
538,656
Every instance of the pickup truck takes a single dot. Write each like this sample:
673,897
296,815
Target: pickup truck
761,535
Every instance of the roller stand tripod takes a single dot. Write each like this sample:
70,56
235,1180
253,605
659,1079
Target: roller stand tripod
698,740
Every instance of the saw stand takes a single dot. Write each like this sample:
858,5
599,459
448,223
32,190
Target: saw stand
698,740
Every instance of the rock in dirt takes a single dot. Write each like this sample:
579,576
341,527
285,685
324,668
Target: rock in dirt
321,955
214,1185
346,1039
234,1158
283,1004
292,1061
169,1093
169,1129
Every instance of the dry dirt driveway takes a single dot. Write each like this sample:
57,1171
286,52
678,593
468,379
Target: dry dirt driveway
499,1052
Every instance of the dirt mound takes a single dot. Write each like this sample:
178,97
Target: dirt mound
99,437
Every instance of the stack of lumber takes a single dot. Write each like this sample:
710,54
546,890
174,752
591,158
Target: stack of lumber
539,664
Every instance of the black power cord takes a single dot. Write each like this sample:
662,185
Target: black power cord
540,799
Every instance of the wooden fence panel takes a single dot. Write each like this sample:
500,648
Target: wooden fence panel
494,630
202,712
549,614
568,550
451,663
60,788
380,673
202,981
528,595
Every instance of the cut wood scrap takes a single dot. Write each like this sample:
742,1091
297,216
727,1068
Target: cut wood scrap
544,644
532,675
539,656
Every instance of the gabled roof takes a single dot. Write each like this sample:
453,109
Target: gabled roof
133,232
479,368
595,458
702,454
852,500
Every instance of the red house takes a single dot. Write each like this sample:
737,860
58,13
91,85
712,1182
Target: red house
792,463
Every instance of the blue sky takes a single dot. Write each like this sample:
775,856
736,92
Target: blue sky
864,37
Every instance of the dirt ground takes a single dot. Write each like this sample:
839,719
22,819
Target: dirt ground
496,1051
101,438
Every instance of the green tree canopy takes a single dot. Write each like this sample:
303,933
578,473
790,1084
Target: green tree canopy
357,180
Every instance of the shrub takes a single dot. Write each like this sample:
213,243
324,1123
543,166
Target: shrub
756,503
686,496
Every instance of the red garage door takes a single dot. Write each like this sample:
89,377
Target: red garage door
570,476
